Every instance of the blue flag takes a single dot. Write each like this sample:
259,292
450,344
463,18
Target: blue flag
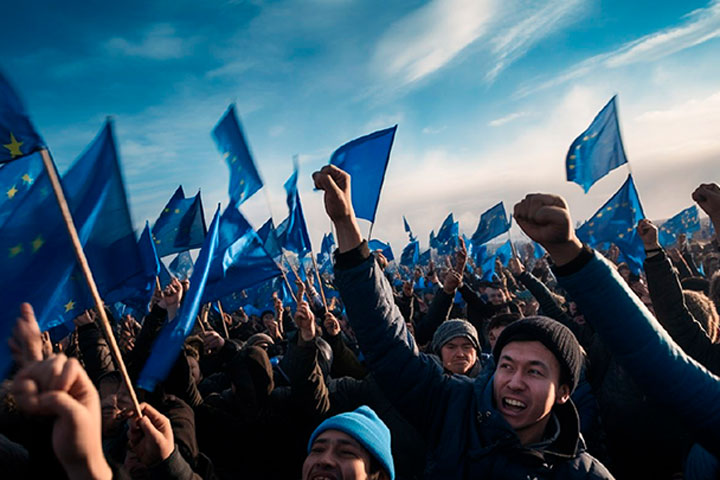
433,241
408,230
141,289
17,133
686,222
615,222
164,275
244,177
383,247
240,261
504,252
492,223
268,235
170,340
292,232
410,254
181,224
447,237
182,265
425,257
366,159
596,151
486,261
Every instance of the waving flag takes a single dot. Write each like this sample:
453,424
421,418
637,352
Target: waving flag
366,159
504,252
686,222
141,288
181,224
384,248
447,237
410,254
240,260
292,232
408,230
492,223
169,342
244,177
268,235
17,133
596,151
615,222
182,265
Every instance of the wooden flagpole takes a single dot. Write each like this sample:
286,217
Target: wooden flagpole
222,318
317,274
87,273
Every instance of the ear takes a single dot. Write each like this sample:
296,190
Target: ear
563,394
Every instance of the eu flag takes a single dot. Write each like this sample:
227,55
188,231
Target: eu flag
686,222
384,248
292,232
410,254
268,235
596,151
408,230
492,223
486,261
504,252
181,224
240,260
141,289
244,177
366,159
182,265
615,222
447,237
170,340
425,257
17,134
433,240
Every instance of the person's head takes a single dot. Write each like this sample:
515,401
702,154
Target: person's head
114,402
456,343
497,324
538,363
350,446
711,264
261,340
624,271
268,319
703,310
496,294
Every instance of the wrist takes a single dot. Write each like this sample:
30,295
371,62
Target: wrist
564,253
93,469
348,233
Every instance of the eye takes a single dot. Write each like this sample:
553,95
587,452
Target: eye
535,372
349,453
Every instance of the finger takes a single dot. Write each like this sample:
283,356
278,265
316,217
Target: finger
158,420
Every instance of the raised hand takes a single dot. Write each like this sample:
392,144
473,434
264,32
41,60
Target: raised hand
452,282
545,218
707,196
151,437
59,387
648,233
338,205
305,321
212,341
26,344
332,326
515,266
172,296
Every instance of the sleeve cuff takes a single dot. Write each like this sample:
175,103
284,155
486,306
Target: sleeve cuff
576,264
352,258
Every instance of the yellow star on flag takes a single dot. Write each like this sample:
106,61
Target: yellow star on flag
27,179
586,138
14,146
226,155
16,250
11,193
69,306
571,167
177,210
37,243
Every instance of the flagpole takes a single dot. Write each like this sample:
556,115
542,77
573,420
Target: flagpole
287,283
222,318
87,273
317,274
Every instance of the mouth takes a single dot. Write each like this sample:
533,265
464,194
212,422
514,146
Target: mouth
323,476
513,405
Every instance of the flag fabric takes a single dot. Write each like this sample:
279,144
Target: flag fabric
366,159
596,151
181,224
425,257
486,261
686,222
433,240
410,254
408,229
327,246
182,265
292,232
170,340
269,237
493,222
384,248
447,236
504,252
615,222
240,260
17,133
244,177
164,274
141,289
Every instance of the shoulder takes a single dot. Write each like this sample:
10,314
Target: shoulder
585,466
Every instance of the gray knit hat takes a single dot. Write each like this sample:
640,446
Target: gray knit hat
453,329
555,336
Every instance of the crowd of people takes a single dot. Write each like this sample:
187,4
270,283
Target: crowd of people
565,366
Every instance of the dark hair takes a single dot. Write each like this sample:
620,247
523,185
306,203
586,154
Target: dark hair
503,320
703,310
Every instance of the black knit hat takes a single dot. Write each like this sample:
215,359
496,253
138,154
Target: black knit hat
555,336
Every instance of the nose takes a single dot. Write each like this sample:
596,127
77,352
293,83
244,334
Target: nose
516,381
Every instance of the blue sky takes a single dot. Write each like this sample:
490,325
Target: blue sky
488,95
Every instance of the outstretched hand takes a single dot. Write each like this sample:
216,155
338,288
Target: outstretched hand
26,344
305,321
545,218
151,437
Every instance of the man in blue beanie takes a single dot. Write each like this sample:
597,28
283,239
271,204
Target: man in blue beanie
350,446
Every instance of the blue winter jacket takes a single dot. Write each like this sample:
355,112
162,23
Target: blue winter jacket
467,437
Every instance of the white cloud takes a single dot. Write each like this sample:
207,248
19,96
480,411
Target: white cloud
159,42
507,119
433,130
429,37
700,26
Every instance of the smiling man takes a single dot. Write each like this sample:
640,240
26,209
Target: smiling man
516,423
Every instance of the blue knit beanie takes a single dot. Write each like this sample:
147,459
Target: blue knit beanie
367,429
